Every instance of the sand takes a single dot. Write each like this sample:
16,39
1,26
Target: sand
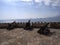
19,36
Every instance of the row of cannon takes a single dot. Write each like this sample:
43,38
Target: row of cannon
43,29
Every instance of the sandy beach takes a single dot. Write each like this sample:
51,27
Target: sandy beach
19,36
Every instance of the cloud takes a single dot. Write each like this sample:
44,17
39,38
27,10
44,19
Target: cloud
49,2
16,2
38,0
55,2
26,0
46,2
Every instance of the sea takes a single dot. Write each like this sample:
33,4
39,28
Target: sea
31,20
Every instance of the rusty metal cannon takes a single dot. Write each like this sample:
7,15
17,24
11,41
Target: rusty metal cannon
11,25
44,29
28,26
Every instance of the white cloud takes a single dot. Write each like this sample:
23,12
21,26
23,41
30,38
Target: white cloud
26,0
38,0
14,0
55,3
46,2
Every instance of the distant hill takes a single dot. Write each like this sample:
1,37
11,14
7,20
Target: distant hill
50,19
53,19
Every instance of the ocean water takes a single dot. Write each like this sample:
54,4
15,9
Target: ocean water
32,20
16,20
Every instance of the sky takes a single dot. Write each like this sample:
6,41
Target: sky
26,9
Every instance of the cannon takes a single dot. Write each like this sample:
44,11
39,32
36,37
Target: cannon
44,29
28,26
11,25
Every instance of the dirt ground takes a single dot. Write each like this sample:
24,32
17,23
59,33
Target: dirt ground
19,36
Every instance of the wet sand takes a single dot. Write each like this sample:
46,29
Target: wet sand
19,36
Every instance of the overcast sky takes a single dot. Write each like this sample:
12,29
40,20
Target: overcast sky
22,9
